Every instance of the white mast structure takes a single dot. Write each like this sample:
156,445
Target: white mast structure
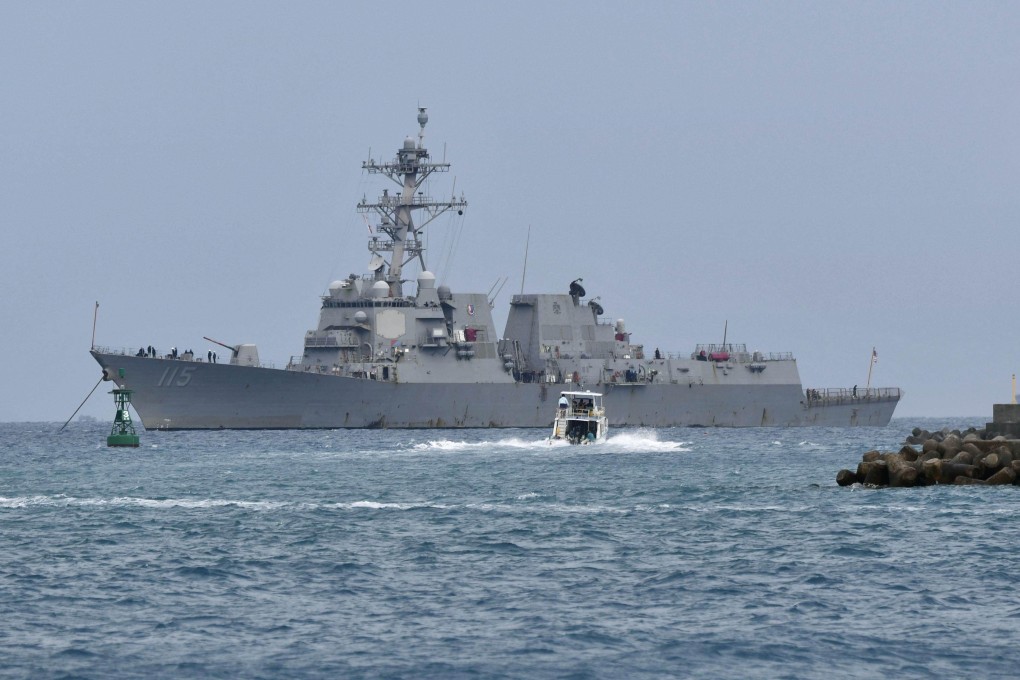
408,170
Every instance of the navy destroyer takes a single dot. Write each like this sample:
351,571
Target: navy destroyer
383,358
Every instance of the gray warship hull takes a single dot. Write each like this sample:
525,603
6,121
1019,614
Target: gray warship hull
382,357
179,395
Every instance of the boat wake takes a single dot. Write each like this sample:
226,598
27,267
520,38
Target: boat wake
486,445
636,441
641,441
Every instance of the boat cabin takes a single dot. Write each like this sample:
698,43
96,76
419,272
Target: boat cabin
580,418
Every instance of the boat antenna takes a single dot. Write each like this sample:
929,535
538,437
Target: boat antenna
527,243
726,325
95,315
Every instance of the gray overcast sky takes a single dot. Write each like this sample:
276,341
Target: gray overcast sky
825,176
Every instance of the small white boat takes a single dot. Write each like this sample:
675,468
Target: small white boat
580,418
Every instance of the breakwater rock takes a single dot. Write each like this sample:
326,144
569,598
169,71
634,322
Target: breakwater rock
920,436
951,460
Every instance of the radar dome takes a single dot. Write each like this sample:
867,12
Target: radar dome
360,317
444,293
426,280
408,143
380,289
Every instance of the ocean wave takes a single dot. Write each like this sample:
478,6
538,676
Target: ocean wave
549,508
128,501
376,505
215,503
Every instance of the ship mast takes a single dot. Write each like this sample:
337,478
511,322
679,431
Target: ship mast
408,170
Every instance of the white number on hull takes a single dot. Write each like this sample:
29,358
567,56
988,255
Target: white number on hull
182,375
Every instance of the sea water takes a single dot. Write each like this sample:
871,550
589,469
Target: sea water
701,553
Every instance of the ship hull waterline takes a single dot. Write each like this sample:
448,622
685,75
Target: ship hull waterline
174,395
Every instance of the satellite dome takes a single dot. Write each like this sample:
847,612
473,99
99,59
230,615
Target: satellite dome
444,293
408,143
426,280
360,317
380,289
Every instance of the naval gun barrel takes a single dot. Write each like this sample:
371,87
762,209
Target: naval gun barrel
232,348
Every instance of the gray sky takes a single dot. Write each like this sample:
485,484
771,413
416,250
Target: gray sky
826,177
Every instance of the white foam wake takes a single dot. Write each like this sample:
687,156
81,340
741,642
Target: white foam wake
128,501
510,443
640,441
629,441
375,505
527,502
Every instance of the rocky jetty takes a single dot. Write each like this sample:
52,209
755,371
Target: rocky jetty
946,457
919,436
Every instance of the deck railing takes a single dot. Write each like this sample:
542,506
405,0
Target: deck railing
844,395
581,412
198,358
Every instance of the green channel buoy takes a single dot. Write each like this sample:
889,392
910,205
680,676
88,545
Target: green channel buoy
123,432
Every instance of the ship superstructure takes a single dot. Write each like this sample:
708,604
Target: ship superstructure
381,357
